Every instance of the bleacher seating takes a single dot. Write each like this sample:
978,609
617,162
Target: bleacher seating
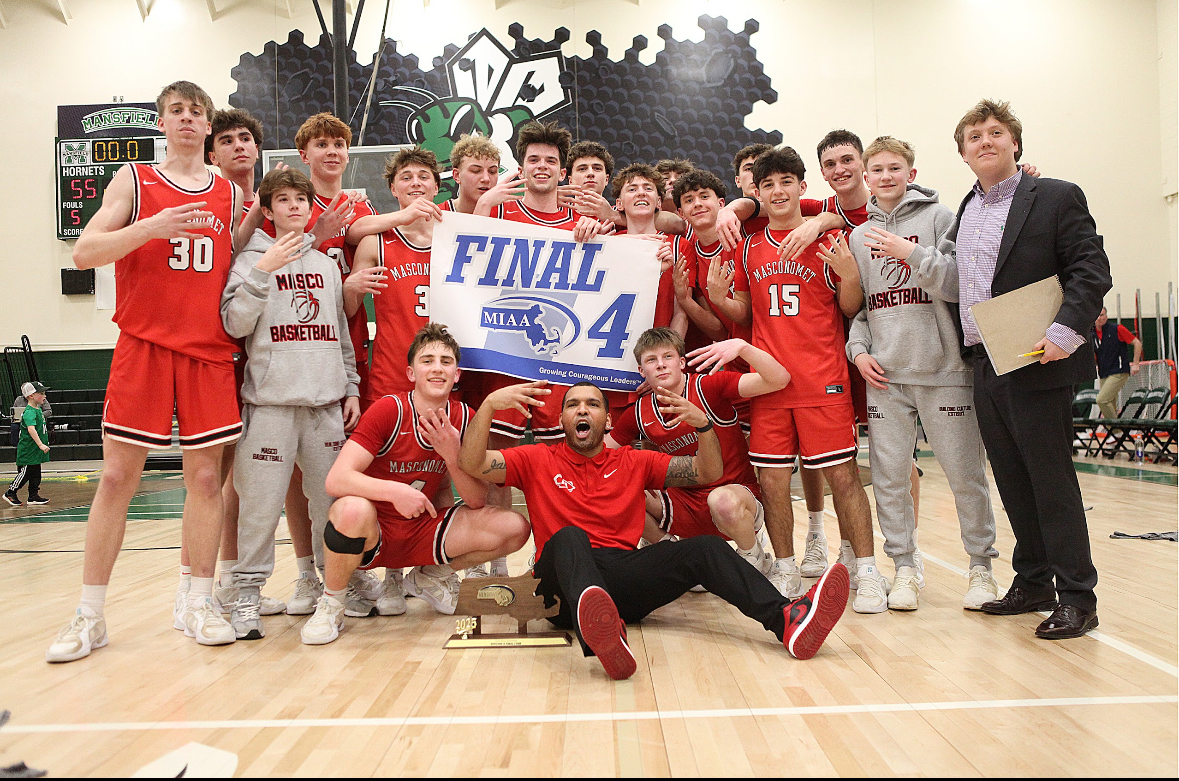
75,426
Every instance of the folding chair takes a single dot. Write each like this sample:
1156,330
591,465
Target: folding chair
1085,415
1161,433
1120,429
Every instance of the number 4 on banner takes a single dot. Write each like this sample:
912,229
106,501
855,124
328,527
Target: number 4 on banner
611,326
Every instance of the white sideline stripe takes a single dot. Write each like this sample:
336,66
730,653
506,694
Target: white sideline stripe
1101,637
558,718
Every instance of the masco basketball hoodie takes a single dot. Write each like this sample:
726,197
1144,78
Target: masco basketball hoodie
910,329
294,326
299,367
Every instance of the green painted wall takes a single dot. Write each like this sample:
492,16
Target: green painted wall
74,369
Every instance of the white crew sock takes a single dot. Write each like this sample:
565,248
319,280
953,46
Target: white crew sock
338,596
202,588
786,563
225,573
93,597
185,578
815,523
306,566
866,567
845,551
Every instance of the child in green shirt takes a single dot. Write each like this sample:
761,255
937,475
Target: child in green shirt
31,450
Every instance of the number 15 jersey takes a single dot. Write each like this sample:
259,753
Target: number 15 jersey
796,319
168,291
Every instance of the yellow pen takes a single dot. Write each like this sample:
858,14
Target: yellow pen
1029,355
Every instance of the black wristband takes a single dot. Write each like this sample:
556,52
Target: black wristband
706,428
756,206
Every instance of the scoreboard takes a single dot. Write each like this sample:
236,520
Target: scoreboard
86,166
94,142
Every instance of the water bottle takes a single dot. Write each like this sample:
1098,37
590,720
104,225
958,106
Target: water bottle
1139,450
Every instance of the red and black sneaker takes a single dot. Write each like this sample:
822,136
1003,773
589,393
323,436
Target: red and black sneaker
811,617
605,633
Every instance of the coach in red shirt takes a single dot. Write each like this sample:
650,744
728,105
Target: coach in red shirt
587,508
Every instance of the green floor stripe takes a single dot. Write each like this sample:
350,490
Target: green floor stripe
1128,473
157,504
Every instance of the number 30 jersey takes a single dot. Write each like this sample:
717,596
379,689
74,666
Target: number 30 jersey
402,309
796,319
168,292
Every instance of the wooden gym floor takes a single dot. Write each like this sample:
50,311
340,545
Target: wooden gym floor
937,692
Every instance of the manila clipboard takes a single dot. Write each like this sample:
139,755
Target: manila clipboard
1012,323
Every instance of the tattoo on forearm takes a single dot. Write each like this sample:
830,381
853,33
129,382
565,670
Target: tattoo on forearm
682,469
496,464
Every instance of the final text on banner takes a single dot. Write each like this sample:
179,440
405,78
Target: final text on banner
530,302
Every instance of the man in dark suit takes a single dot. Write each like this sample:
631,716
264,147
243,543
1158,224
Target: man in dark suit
1013,230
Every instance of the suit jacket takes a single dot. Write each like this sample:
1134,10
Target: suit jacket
1049,231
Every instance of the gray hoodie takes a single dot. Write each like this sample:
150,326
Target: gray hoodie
908,323
294,325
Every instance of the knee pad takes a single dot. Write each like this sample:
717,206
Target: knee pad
342,543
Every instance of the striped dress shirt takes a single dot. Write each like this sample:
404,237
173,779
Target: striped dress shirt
979,235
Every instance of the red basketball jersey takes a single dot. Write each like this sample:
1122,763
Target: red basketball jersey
715,394
449,205
796,319
168,292
853,217
402,309
389,431
701,259
564,218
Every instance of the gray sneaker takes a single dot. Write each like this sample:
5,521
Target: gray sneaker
392,601
356,606
244,615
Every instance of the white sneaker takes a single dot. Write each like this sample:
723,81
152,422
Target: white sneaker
269,606
903,595
848,559
368,586
179,608
438,585
203,622
478,571
814,561
324,627
872,595
499,567
759,558
981,588
919,565
788,582
84,633
392,601
308,590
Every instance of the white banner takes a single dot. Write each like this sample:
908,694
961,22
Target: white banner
530,302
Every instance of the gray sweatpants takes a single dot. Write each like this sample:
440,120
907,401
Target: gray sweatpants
274,439
948,417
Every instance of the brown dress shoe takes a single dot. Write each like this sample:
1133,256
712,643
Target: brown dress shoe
1067,621
1017,601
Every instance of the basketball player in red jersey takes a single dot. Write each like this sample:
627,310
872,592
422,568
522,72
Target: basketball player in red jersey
170,231
586,505
796,308
731,505
395,509
474,164
640,190
402,254
815,558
